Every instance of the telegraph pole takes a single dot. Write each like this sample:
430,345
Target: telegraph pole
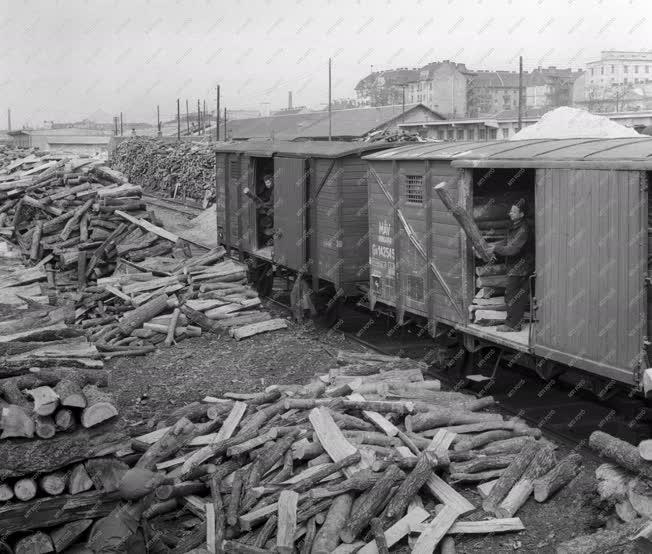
330,107
121,129
198,117
217,115
520,92
8,119
225,135
115,125
206,120
158,119
178,119
187,118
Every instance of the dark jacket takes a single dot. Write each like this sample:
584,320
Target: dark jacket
263,199
518,249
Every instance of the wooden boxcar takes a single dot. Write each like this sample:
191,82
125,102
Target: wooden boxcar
320,206
589,296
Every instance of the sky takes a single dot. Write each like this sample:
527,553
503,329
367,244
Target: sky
64,60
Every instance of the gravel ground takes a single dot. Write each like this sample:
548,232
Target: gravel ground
151,386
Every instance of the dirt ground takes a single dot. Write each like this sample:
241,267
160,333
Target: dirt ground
151,386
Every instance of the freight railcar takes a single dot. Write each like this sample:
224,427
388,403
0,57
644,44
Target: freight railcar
590,308
318,220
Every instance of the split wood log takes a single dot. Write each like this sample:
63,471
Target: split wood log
199,319
620,452
639,494
286,521
234,501
15,422
44,427
543,461
558,477
169,339
45,400
441,417
67,534
435,531
508,446
167,491
64,419
218,520
265,532
643,540
25,489
448,495
135,318
370,505
466,221
36,543
483,463
509,477
331,437
399,530
645,449
100,406
79,480
6,492
309,537
256,328
328,536
70,393
53,483
408,489
379,536
480,476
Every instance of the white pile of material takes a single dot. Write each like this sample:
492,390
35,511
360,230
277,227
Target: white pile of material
568,122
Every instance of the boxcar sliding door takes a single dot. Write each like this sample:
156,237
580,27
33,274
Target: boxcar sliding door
591,264
290,212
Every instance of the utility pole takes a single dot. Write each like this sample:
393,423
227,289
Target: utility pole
217,116
198,117
187,118
8,119
225,135
520,92
158,119
178,119
330,107
403,85
121,129
206,121
115,125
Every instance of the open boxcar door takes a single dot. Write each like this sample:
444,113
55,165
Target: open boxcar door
591,264
290,212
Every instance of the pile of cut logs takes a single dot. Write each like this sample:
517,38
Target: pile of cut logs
129,283
347,462
176,170
624,487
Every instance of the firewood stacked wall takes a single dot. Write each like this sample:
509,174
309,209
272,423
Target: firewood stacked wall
179,170
345,460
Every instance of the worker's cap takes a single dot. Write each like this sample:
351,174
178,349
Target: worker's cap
521,204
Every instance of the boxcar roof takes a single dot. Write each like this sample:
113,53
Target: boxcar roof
316,149
617,153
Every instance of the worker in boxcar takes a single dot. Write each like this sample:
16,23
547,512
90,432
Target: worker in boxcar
518,251
264,201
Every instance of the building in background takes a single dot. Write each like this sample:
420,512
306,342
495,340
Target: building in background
504,125
550,87
490,92
77,141
442,86
385,88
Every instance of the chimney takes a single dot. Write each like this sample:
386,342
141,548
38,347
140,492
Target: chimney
289,100
9,119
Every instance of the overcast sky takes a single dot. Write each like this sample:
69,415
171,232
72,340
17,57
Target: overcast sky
63,60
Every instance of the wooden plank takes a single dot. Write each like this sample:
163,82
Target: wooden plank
481,527
441,442
286,522
149,227
435,531
231,421
257,328
399,530
331,437
448,495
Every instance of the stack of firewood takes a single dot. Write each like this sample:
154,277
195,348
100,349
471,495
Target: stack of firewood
43,402
176,170
624,487
89,244
347,461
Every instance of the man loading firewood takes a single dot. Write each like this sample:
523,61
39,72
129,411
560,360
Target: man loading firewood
518,250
